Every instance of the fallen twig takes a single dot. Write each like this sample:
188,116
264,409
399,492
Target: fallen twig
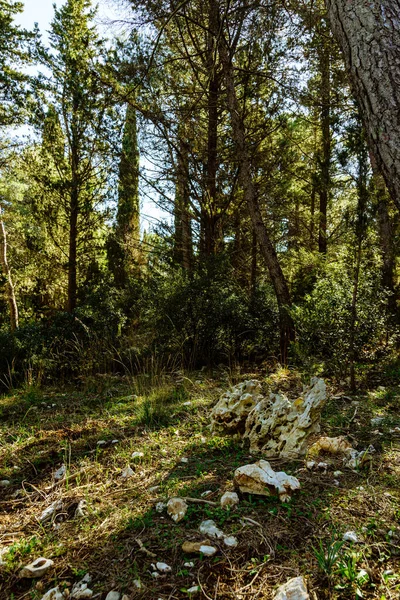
144,549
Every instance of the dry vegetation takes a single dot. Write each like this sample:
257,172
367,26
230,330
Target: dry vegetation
167,419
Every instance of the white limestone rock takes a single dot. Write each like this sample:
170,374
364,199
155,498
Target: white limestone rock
60,473
350,536
127,472
260,478
51,511
355,459
230,541
37,568
160,507
5,483
135,455
113,596
329,445
163,567
177,508
294,589
210,528
277,426
80,511
80,590
203,547
229,499
232,409
193,590
54,594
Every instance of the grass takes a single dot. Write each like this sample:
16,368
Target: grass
168,419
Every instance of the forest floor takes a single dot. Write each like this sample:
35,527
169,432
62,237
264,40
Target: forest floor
167,419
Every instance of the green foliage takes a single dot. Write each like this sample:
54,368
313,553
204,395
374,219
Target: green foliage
16,50
208,316
323,318
328,554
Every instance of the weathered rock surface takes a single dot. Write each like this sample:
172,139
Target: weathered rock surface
277,426
231,411
80,511
113,596
353,459
37,568
229,499
350,536
163,567
294,589
203,547
176,508
60,473
136,455
127,472
80,590
51,511
260,478
54,594
230,541
210,528
336,445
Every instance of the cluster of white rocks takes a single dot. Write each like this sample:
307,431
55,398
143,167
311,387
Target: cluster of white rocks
274,425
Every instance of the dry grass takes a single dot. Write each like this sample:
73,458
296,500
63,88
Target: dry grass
42,430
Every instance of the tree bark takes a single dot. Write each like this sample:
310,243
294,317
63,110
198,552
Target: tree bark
287,332
325,118
369,35
211,231
10,292
183,244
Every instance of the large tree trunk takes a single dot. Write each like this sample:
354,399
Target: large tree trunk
287,332
183,245
12,302
211,227
369,35
325,118
386,239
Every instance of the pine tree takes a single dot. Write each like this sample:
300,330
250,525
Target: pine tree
85,122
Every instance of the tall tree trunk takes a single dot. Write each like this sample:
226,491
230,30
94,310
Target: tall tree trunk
12,302
72,257
325,118
127,229
183,245
287,332
369,35
211,226
253,274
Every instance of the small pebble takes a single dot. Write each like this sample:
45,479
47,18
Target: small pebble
350,536
137,455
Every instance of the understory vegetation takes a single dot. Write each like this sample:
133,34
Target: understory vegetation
166,419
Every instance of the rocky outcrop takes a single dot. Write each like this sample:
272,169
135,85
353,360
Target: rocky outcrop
277,426
230,413
261,479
